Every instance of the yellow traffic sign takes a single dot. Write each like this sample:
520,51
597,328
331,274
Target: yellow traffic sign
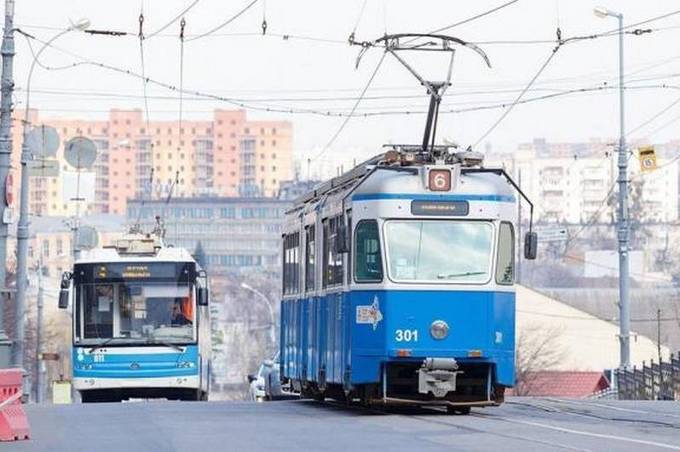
647,156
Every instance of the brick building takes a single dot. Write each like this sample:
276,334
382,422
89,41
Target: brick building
227,155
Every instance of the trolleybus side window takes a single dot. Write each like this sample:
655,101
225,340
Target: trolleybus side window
367,260
332,260
291,263
505,267
310,258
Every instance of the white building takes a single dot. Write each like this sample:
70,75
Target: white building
576,182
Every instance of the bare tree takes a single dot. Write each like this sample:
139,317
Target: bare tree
537,349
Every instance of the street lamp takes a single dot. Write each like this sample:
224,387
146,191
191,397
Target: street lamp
22,226
272,339
622,223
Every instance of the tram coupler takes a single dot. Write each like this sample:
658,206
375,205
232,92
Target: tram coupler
438,376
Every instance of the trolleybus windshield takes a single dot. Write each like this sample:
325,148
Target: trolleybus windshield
439,251
144,305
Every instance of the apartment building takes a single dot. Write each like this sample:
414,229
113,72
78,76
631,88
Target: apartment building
576,182
227,155
236,234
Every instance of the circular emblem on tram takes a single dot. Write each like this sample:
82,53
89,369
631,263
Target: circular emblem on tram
134,366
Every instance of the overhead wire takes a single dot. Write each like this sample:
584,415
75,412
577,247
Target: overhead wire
356,104
173,20
223,24
519,97
475,17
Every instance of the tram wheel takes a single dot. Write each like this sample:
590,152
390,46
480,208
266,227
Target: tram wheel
462,410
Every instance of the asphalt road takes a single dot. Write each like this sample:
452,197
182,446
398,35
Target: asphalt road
519,425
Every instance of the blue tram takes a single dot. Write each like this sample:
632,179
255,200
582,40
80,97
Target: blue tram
398,282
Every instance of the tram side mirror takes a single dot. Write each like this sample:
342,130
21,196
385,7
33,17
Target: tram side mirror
63,299
251,378
341,238
203,296
63,293
530,245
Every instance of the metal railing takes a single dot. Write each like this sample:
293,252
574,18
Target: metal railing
656,381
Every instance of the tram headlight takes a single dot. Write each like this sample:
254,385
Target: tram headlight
439,329
185,364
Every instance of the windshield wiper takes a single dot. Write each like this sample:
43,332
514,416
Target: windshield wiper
167,344
98,346
459,275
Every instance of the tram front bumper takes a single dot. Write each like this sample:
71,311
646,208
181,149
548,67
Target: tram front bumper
86,383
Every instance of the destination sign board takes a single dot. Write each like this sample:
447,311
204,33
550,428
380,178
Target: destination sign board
440,208
135,271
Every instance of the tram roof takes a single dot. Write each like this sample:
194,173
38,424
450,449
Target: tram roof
409,158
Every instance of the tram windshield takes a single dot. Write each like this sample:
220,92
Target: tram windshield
439,251
118,310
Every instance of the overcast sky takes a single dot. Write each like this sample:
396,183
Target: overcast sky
237,61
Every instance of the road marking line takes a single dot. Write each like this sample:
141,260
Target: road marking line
595,435
604,405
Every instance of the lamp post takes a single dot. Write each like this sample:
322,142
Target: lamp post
22,226
272,337
622,220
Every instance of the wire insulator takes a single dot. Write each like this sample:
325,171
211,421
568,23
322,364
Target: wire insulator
182,24
264,26
351,39
141,26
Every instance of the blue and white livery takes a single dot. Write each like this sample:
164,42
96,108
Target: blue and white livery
140,322
398,283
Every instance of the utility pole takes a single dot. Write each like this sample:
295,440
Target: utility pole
658,335
22,225
622,220
5,163
39,333
623,232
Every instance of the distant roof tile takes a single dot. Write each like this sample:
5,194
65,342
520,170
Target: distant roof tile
564,383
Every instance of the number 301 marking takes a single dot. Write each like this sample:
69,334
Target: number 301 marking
406,335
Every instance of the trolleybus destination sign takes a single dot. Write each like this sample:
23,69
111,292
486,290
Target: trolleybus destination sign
447,208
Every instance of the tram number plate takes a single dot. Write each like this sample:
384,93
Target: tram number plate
406,335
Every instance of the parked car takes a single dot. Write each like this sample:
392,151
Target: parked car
274,389
256,389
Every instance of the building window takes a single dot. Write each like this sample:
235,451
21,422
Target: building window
46,247
367,258
246,131
291,263
273,143
60,246
505,268
274,131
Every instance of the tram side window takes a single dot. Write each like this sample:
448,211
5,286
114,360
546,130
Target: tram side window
291,263
310,258
505,267
367,258
332,260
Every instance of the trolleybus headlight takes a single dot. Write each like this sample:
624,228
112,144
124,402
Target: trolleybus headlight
439,329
